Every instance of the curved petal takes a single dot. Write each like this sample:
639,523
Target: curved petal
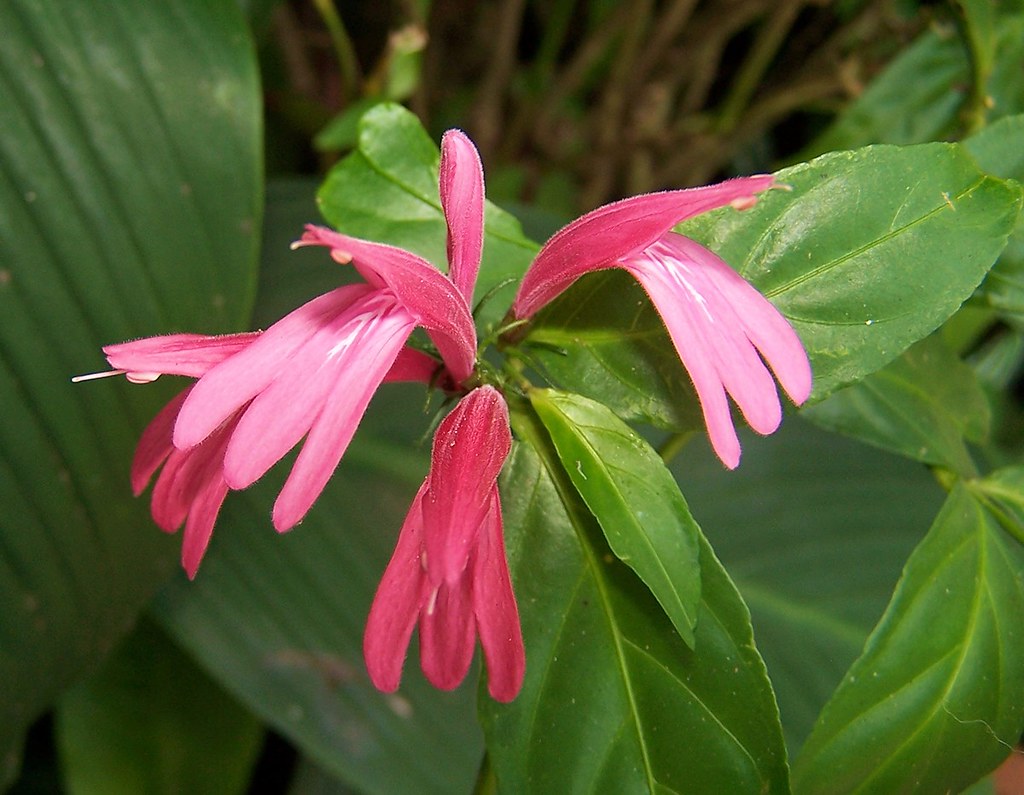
448,634
610,233
424,291
462,199
396,605
414,365
202,515
470,448
494,604
763,324
679,284
238,379
155,443
368,359
177,354
282,413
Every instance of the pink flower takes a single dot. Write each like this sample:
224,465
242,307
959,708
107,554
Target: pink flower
449,572
312,374
721,327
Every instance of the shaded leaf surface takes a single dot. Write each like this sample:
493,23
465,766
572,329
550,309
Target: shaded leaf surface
129,200
150,721
937,698
924,406
633,496
614,701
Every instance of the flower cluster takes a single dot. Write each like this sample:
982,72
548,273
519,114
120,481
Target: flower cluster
310,376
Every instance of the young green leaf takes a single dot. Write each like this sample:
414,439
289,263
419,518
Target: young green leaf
937,698
633,496
614,701
387,191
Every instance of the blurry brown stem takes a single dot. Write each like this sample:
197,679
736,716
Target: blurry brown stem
343,49
490,104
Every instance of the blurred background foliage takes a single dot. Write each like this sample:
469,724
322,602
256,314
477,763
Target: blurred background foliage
572,103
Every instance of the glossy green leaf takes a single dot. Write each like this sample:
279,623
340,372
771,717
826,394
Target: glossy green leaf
614,701
925,405
633,496
130,189
814,529
151,721
387,191
937,698
869,252
278,620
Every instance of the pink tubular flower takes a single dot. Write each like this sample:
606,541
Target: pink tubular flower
449,573
312,374
718,323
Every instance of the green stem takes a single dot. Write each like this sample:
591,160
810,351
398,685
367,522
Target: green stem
343,49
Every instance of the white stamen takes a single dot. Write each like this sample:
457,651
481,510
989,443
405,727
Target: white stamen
93,376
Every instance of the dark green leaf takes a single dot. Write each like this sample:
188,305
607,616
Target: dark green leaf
130,189
1003,492
387,191
151,721
632,495
937,698
923,405
814,528
614,701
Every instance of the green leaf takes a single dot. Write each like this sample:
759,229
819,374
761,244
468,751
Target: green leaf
613,700
387,191
1003,493
998,151
869,252
814,529
634,498
921,95
278,620
937,698
923,405
130,197
151,721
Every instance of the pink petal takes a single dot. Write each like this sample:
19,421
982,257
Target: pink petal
470,447
763,324
424,291
693,281
202,516
396,605
365,361
282,413
602,237
414,365
448,634
169,502
238,379
155,444
497,616
462,198
177,354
